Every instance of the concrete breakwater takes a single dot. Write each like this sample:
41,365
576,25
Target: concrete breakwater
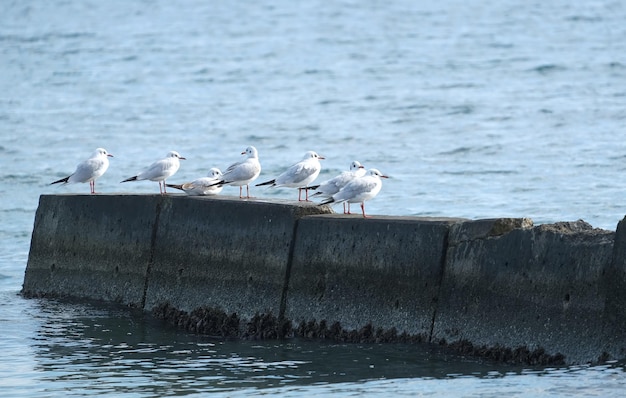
500,288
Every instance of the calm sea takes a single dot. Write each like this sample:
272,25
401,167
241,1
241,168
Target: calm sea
479,109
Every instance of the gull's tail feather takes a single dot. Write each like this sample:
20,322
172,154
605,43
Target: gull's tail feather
130,179
177,186
63,180
266,183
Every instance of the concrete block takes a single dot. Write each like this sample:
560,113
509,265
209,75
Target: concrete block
614,322
381,270
481,229
528,287
498,283
224,253
91,246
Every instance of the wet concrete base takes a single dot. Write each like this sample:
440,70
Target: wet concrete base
216,323
519,355
501,289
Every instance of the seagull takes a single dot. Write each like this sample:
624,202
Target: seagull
89,170
299,175
202,186
330,187
359,190
244,172
160,170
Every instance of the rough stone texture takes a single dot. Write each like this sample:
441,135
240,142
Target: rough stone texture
224,253
91,246
536,288
383,271
214,322
479,229
500,289
614,320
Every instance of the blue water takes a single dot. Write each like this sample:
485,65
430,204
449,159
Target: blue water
478,109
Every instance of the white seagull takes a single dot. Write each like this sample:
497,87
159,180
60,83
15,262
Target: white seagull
89,170
299,175
330,187
244,172
160,170
359,190
202,186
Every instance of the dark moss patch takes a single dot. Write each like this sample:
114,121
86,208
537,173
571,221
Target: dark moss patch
604,357
266,327
214,322
202,320
520,355
367,334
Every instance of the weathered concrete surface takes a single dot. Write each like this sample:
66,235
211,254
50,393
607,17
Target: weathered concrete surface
223,253
526,287
383,271
253,267
90,246
614,319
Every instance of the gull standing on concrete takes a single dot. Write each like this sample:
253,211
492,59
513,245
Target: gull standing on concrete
244,172
359,190
160,170
330,187
299,175
89,170
203,186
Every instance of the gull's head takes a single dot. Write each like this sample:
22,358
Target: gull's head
251,152
174,154
355,165
377,173
312,155
214,172
102,152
